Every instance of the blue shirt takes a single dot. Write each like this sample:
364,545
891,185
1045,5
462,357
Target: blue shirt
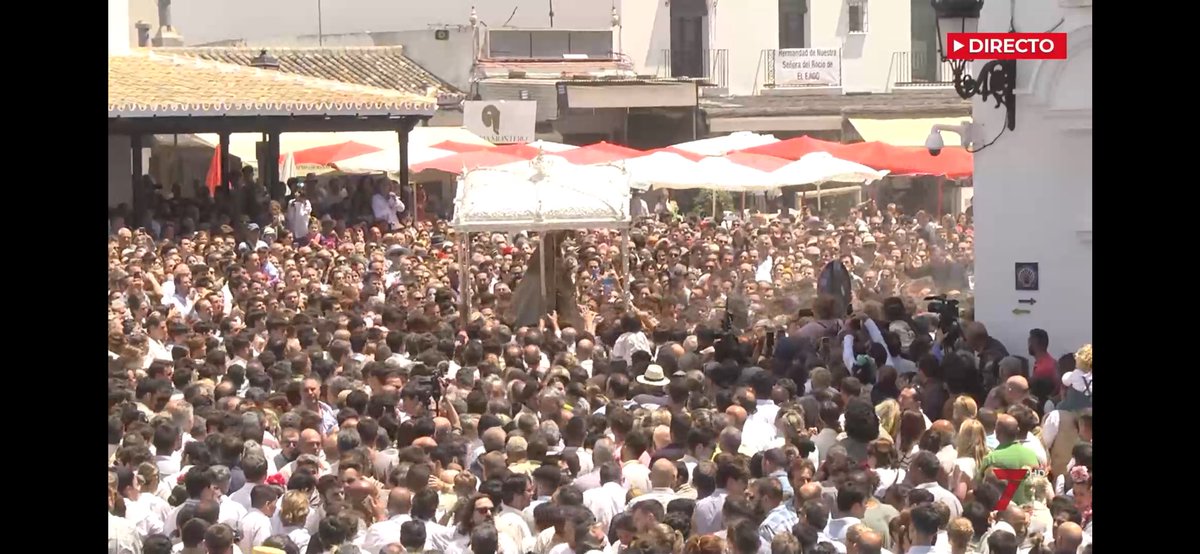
782,477
328,418
778,520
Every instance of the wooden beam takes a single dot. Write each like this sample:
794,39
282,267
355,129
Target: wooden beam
223,162
135,152
299,124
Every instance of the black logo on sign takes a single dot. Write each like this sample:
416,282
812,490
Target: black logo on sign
491,117
1027,275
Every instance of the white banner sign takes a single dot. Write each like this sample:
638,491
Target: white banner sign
501,121
797,67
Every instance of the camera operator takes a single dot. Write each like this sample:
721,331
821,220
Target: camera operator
988,350
418,393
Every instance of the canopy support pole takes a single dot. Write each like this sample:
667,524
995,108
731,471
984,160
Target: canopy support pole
624,251
941,191
714,199
818,197
542,265
464,276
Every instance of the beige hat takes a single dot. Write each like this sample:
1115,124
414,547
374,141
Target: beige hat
654,376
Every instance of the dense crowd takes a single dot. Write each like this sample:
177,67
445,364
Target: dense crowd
295,370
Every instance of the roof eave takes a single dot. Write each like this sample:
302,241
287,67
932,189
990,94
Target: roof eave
149,114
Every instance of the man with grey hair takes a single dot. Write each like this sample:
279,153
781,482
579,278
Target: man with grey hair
585,349
231,512
551,403
602,451
183,415
493,387
550,431
347,440
255,466
1000,396
730,440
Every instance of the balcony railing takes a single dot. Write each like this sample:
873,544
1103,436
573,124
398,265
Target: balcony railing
910,70
711,65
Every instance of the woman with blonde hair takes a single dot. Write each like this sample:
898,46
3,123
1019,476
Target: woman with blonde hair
964,409
971,446
888,412
277,218
293,512
704,544
959,533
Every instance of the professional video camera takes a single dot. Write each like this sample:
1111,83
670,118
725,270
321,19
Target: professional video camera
727,345
947,311
428,385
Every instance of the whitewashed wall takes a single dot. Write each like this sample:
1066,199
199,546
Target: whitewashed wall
866,57
644,33
1033,187
745,28
118,26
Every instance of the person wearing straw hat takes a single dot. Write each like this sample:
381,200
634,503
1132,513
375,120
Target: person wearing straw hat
654,377
652,393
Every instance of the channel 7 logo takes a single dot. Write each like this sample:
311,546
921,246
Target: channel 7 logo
1013,479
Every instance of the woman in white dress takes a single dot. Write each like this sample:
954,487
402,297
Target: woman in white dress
884,460
972,447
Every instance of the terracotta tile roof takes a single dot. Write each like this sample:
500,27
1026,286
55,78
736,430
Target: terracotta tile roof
149,84
374,66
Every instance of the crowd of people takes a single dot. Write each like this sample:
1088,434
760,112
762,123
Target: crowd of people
294,374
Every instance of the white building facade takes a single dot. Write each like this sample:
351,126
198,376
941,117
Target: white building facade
120,164
1033,186
881,42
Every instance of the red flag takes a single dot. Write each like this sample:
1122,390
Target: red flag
213,179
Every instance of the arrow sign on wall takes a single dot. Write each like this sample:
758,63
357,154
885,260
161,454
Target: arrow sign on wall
1030,301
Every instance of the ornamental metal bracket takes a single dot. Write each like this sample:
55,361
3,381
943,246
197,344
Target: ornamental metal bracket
997,81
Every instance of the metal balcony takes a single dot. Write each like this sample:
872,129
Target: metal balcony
709,65
919,71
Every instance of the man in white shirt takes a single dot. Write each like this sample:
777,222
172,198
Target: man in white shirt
255,468
231,513
184,298
850,508
608,499
924,529
759,429
167,441
635,475
122,537
156,335
517,497
386,532
298,213
662,480
137,511
924,469
385,205
257,526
